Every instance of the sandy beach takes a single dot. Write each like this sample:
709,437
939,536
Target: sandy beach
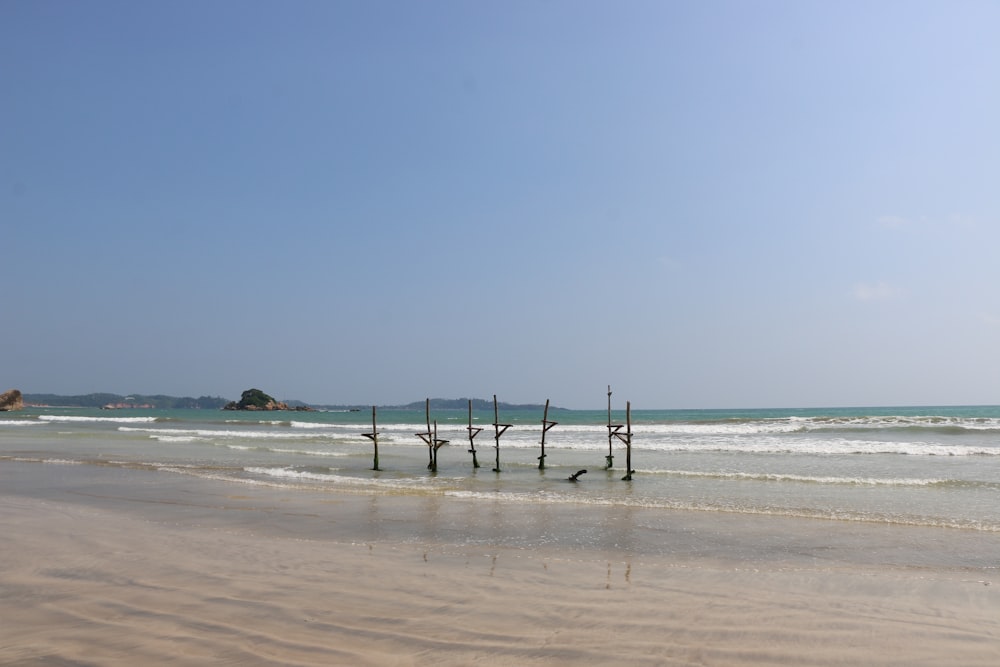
183,571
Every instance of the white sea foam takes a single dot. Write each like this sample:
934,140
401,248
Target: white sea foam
300,452
835,446
290,473
29,459
780,477
176,438
763,426
804,424
219,433
77,418
925,422
330,433
307,452
411,483
297,424
762,444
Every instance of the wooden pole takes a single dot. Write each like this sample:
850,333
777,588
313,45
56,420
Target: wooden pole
434,456
428,435
626,437
373,436
628,442
438,442
497,431
473,432
374,439
612,432
546,425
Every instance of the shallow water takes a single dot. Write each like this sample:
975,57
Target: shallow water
920,467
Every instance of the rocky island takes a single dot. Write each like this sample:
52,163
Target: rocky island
11,400
255,399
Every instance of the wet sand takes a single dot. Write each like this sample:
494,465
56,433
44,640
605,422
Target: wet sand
160,569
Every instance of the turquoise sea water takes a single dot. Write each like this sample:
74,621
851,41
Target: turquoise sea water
916,466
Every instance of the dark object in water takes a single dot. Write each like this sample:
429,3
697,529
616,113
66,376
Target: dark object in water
574,476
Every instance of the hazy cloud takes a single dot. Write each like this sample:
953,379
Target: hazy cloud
670,263
963,222
893,222
991,319
880,291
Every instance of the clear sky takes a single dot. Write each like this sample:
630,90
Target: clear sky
703,204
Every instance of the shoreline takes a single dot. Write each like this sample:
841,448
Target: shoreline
169,569
363,514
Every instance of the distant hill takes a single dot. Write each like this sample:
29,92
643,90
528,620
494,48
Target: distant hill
161,402
463,404
100,400
436,404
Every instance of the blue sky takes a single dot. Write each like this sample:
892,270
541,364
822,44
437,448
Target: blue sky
703,204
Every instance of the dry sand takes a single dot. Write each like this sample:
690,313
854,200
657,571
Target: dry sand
85,585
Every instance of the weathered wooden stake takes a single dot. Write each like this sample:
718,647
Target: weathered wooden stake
373,436
431,438
437,446
428,435
626,437
498,431
612,432
473,432
546,425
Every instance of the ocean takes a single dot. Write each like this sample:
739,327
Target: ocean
900,466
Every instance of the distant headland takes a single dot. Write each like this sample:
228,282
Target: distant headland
124,401
164,402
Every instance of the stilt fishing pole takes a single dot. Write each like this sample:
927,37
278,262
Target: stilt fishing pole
430,438
437,445
473,432
373,436
546,425
427,436
498,431
626,437
612,432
